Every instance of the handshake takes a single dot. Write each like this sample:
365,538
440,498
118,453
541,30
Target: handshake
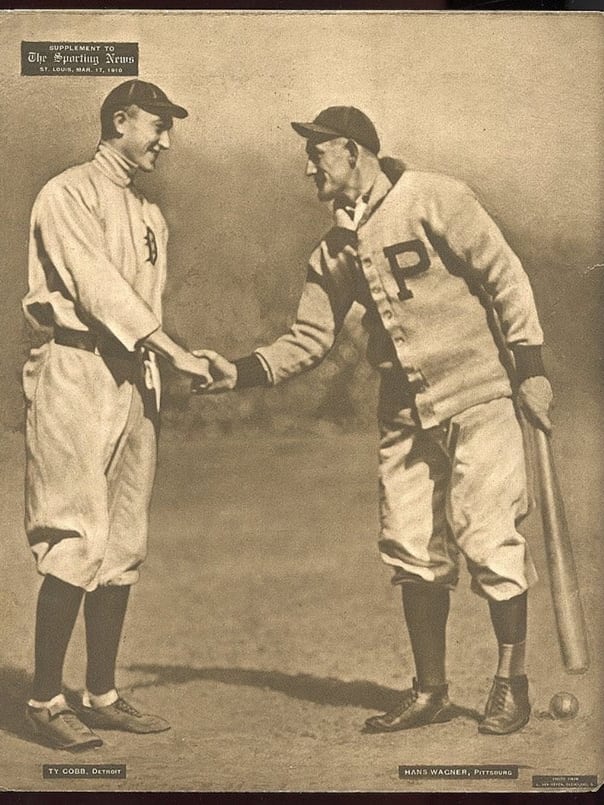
212,374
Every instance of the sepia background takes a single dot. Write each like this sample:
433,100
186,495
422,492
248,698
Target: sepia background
267,497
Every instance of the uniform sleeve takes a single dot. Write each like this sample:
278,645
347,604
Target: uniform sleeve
476,239
70,235
325,301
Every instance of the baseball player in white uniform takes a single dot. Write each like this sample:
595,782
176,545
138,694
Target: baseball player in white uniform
97,270
440,285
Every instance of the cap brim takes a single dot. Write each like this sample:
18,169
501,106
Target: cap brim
310,130
171,109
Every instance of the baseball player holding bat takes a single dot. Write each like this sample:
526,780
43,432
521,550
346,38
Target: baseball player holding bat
431,269
97,269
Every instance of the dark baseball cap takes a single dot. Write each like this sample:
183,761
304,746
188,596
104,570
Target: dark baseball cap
141,93
341,121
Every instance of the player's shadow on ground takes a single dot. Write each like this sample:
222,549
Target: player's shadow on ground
320,690
14,691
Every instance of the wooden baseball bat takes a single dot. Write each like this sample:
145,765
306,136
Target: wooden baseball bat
572,636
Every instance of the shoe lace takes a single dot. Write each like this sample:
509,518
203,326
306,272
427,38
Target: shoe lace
500,695
409,697
71,720
123,705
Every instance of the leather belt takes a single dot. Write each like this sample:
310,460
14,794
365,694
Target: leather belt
91,342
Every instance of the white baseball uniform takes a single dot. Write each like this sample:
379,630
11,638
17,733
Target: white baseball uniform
430,266
97,265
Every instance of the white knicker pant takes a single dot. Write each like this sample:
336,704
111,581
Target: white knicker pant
458,487
90,463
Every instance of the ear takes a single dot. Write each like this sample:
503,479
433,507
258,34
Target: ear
119,121
353,150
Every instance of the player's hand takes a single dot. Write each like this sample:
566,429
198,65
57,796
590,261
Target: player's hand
535,398
223,373
190,364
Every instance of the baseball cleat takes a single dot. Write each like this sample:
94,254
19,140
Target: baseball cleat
417,709
121,716
508,708
59,726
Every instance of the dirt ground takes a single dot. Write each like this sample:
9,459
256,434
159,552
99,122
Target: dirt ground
265,629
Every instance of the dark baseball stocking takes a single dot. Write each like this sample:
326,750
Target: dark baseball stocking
509,620
426,609
104,612
56,613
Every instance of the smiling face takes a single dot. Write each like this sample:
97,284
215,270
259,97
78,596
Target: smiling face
143,135
331,166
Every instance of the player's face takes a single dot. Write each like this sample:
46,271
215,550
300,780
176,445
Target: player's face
144,136
330,166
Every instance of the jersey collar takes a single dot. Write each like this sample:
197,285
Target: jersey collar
114,165
379,190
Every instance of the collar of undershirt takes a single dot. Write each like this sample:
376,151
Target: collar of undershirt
355,210
114,165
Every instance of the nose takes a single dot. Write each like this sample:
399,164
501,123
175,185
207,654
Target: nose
164,140
311,168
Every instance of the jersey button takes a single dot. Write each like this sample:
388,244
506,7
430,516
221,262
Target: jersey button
387,314
375,290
